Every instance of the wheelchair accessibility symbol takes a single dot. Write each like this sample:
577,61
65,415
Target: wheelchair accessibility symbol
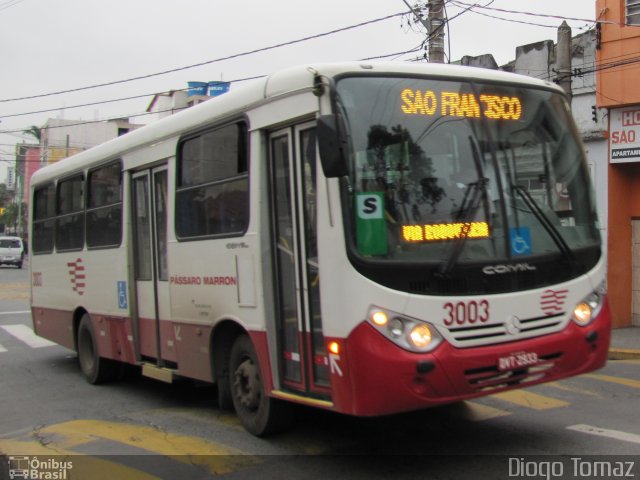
520,238
122,295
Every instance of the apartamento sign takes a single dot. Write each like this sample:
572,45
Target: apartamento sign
624,140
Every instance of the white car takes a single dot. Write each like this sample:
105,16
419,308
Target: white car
11,251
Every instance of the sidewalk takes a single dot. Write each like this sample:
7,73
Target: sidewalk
625,343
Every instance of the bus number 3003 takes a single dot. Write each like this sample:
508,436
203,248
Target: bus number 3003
461,313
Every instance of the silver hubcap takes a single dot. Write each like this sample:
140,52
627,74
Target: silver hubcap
247,385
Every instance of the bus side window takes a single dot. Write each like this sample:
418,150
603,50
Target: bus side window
212,196
104,206
43,219
70,209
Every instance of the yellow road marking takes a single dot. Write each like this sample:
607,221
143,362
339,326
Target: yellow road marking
60,438
623,353
82,466
218,459
620,380
627,362
568,388
477,412
530,400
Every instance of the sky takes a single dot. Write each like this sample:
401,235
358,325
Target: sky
48,46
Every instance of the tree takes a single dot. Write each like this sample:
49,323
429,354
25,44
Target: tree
9,217
35,131
5,196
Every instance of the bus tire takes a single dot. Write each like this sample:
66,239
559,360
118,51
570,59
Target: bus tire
225,402
95,369
260,414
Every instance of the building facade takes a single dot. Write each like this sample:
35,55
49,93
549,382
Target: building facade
27,163
62,138
617,71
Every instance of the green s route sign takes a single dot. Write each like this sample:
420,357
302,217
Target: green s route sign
371,230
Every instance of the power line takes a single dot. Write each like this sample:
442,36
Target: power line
87,122
9,4
68,107
466,7
208,62
512,20
544,75
432,33
592,67
519,12
396,54
610,65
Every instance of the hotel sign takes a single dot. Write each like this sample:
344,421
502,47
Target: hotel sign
624,139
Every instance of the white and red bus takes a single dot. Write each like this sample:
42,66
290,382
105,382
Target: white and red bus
363,238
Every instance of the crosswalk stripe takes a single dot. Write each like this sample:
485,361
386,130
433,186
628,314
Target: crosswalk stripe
619,380
478,412
2,349
532,400
26,335
603,432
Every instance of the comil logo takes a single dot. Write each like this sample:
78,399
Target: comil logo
508,268
34,468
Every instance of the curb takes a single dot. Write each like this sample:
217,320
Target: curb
624,354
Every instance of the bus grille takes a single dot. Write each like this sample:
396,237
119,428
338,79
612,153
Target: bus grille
490,378
485,334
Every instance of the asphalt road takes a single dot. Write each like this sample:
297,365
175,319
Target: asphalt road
140,428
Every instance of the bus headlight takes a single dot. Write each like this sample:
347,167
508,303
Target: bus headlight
421,336
408,333
588,308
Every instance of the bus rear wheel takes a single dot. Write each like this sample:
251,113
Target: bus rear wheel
95,369
260,414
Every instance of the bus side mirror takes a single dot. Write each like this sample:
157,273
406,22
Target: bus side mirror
331,146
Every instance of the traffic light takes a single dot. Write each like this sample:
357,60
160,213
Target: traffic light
594,113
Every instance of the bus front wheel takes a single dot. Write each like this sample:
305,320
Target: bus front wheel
260,414
95,369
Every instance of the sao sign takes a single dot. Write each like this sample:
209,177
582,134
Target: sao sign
624,140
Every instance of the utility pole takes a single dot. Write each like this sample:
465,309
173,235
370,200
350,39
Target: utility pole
435,28
436,31
563,63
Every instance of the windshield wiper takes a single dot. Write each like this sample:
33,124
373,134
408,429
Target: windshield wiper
468,208
466,213
546,223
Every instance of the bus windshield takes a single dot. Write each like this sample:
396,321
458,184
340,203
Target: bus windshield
452,174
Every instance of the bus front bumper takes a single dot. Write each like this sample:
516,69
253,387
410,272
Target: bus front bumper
376,377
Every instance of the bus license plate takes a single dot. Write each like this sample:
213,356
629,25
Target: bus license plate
517,360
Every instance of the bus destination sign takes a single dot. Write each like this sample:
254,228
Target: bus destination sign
454,104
